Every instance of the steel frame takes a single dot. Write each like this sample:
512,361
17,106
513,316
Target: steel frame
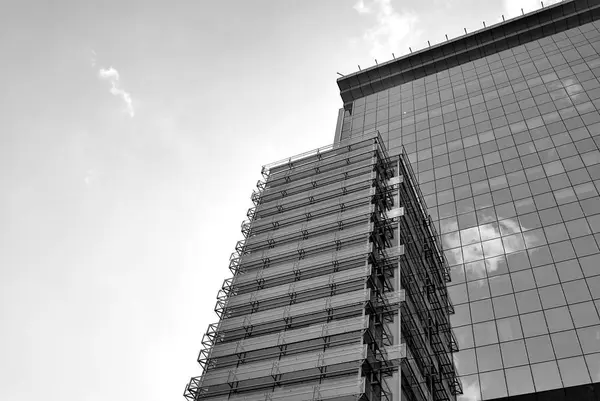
316,219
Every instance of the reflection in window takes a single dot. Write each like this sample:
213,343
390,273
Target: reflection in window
478,290
470,236
493,248
489,231
513,243
472,252
475,270
465,362
464,336
496,266
470,386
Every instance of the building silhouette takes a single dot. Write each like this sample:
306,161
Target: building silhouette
343,290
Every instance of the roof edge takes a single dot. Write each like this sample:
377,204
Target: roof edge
484,42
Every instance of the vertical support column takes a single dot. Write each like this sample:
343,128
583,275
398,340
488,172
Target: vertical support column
399,278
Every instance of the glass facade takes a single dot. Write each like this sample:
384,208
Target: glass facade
506,153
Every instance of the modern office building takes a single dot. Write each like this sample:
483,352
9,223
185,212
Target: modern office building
503,129
339,290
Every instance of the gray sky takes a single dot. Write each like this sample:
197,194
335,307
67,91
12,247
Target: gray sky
131,137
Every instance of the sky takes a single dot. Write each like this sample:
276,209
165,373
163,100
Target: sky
132,134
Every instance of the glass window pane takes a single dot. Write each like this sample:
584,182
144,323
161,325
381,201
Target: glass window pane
590,339
593,363
470,386
539,349
540,256
488,358
576,291
522,280
585,245
457,274
518,261
496,266
478,289
493,385
513,353
519,380
500,285
465,361
573,371
565,344
485,333
509,328
545,275
562,251
481,311
475,270
558,319
505,306
458,294
584,314
545,376
552,296
533,324
462,315
569,270
528,301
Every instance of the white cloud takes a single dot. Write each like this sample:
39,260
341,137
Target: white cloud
90,177
361,8
112,75
109,73
393,31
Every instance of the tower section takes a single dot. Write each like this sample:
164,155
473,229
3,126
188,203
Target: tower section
338,289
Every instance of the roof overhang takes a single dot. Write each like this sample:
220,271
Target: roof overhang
543,22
